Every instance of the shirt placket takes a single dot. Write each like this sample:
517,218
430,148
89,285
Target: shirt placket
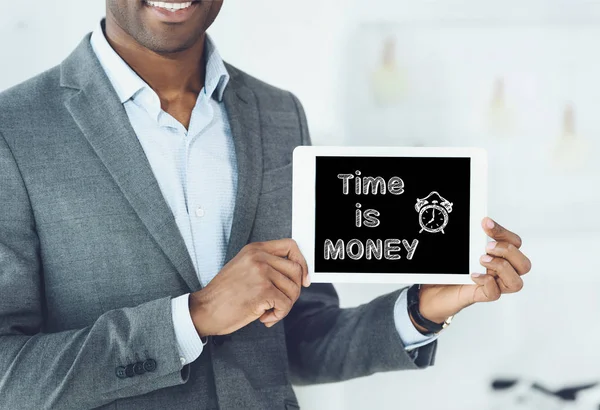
196,212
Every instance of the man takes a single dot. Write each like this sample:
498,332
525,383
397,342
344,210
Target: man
146,198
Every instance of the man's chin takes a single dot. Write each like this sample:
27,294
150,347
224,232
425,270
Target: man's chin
164,45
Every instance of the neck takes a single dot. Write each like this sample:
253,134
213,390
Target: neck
169,75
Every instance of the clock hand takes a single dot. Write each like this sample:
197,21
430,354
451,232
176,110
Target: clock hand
432,215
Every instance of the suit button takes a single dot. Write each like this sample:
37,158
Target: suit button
121,372
129,370
138,368
150,365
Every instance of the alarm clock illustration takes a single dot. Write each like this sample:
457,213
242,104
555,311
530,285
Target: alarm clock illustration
433,213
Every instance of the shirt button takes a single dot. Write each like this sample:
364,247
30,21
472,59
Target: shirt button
182,360
199,212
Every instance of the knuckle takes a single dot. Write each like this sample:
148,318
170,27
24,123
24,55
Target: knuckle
258,305
288,304
510,248
256,266
298,269
269,290
297,290
266,286
252,253
282,314
527,265
495,292
518,241
259,256
504,264
518,285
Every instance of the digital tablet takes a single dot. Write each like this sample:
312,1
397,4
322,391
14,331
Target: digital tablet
390,214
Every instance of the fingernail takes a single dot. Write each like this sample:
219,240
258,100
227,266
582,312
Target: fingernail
491,245
486,258
476,275
489,223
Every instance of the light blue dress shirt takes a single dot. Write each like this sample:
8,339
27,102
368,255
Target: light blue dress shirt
196,170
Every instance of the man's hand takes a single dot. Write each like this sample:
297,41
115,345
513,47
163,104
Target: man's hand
505,265
263,282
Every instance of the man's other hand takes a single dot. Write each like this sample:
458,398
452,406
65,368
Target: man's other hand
505,265
263,281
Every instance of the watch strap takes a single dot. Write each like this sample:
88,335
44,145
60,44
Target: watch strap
415,313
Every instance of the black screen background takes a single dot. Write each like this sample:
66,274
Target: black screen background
437,253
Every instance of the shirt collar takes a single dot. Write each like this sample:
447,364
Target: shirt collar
127,83
216,77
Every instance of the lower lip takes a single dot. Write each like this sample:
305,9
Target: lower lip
167,16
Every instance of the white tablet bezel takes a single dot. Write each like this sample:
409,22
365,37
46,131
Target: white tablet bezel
303,209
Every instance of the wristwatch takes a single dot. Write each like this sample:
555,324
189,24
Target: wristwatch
415,313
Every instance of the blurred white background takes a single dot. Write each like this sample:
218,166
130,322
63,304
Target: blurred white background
518,77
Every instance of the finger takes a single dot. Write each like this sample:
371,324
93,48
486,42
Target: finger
275,305
511,282
269,319
487,291
287,267
287,248
272,317
498,279
286,285
497,232
511,253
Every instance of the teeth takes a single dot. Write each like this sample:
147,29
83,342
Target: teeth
169,6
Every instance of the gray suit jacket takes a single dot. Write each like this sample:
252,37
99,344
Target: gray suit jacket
90,257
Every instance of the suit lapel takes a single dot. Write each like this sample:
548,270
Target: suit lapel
101,117
242,110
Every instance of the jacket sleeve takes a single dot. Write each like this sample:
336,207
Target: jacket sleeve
74,369
328,344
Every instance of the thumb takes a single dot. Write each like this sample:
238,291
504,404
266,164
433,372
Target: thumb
486,290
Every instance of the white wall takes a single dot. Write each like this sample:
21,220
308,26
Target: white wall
307,47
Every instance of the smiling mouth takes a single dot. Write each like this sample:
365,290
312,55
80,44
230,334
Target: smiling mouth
172,7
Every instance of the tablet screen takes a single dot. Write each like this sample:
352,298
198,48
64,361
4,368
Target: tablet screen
392,214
